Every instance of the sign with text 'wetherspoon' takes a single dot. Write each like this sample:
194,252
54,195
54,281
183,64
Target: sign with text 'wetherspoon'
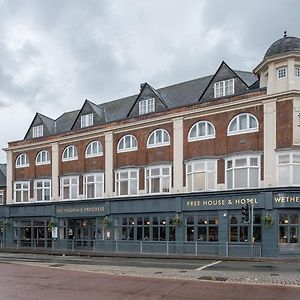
286,200
80,210
225,203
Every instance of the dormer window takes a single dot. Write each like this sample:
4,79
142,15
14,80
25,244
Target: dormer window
37,131
87,120
297,71
146,106
224,88
281,72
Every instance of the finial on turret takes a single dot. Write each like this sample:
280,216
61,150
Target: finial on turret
285,33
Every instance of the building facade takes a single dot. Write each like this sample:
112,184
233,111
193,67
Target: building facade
179,164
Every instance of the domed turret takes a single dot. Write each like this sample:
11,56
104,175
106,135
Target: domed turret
283,45
280,69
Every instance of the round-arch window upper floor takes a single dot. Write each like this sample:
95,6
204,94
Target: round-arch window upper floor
22,161
127,143
70,153
242,123
159,137
201,131
42,158
94,149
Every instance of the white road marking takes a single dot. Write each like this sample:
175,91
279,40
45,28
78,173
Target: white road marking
209,265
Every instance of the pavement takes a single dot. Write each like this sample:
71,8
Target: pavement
204,273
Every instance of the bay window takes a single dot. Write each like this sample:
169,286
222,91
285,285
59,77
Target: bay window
158,179
21,191
288,168
93,185
69,187
127,182
42,190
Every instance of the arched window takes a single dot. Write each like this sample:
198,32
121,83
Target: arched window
201,131
42,158
22,161
242,123
70,153
127,143
94,149
159,137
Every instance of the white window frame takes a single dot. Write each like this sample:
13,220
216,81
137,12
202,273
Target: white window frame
281,72
199,137
149,177
71,185
146,106
130,180
42,158
192,170
71,153
133,144
22,190
37,131
248,129
98,185
90,146
46,186
291,164
297,71
224,88
2,200
248,166
155,134
22,161
87,120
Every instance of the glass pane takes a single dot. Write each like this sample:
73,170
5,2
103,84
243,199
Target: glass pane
133,187
229,179
201,128
166,171
233,234
202,234
294,219
233,125
253,177
213,234
243,234
155,172
283,175
296,158
296,174
193,132
240,162
253,123
283,159
253,161
243,122
123,188
155,185
240,178
293,234
199,181
165,184
211,181
283,233
283,219
210,129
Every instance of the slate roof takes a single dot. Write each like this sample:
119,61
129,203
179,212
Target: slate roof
2,174
177,95
283,45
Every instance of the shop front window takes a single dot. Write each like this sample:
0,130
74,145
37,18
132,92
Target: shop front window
289,228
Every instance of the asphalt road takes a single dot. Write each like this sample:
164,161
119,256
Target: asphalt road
169,263
25,282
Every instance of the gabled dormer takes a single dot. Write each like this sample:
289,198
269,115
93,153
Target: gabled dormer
148,101
40,126
225,82
89,115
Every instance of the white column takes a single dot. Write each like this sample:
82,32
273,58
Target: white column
291,73
178,155
9,177
271,79
108,164
55,172
270,143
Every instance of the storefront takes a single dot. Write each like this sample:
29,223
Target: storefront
214,220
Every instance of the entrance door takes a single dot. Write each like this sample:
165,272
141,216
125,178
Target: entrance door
82,231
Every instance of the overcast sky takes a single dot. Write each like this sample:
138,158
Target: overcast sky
54,54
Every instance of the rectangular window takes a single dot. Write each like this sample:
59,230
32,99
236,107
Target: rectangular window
288,169
127,182
281,72
201,175
87,120
1,197
158,179
37,131
21,191
69,187
93,185
224,88
297,71
42,190
242,172
146,106
289,228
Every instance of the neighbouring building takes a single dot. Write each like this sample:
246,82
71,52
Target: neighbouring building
175,164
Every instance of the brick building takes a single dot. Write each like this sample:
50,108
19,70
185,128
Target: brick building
168,166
